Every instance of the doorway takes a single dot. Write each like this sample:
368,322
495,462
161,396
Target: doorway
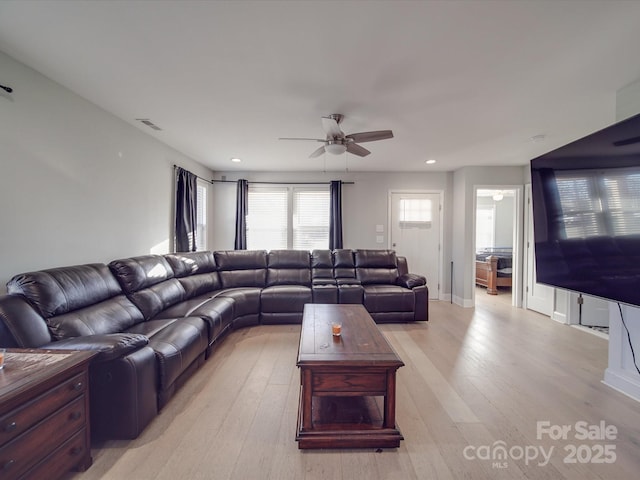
416,233
538,297
498,234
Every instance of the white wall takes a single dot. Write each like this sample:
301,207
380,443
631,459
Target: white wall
77,185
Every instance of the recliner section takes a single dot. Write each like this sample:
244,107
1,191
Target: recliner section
154,319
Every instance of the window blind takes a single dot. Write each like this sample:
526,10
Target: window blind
267,218
310,219
201,217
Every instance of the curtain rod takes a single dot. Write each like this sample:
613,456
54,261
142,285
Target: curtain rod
197,176
266,183
283,183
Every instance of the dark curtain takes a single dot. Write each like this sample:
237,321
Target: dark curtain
186,204
335,215
242,201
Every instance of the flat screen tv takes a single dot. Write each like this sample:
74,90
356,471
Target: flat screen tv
586,214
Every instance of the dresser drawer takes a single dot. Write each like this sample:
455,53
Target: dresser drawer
371,383
63,459
24,451
27,415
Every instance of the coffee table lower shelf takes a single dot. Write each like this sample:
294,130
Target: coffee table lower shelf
346,422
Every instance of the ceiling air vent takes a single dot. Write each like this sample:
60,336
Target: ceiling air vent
149,123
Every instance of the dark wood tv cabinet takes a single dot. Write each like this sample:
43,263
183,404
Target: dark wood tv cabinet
44,413
347,383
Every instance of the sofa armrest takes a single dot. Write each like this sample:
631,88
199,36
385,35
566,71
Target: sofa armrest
411,280
108,346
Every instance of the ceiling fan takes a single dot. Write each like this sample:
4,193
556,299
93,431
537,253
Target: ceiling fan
337,142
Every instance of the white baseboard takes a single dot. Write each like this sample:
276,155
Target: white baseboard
629,386
462,302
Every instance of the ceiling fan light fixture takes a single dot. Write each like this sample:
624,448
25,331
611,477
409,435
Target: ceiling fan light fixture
336,148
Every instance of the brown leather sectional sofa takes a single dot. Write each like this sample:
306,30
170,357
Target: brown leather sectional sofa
154,319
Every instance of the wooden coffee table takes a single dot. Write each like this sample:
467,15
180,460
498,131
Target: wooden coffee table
347,383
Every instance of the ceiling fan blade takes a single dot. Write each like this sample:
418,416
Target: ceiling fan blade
306,139
357,150
317,153
331,127
371,136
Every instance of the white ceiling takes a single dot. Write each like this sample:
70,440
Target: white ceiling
462,82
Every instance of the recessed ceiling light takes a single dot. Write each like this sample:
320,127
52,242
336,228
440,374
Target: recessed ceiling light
431,161
236,160
538,138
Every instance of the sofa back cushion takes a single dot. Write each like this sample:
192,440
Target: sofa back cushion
242,268
114,315
289,267
191,263
343,264
65,289
77,300
197,272
376,266
148,281
321,265
136,273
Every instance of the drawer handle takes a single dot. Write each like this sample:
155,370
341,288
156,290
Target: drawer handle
10,427
8,465
75,415
76,451
78,386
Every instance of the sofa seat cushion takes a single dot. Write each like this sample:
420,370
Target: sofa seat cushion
151,327
285,298
217,312
350,291
247,300
392,317
176,346
388,298
325,292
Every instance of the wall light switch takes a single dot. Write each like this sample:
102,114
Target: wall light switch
379,239
379,229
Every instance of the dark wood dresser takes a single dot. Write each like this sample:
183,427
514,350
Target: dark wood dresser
44,413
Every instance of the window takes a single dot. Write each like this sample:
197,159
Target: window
201,216
288,218
415,213
267,215
485,226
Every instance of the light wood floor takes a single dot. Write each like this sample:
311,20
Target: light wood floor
473,377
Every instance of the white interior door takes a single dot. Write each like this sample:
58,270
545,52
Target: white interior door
538,297
415,234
